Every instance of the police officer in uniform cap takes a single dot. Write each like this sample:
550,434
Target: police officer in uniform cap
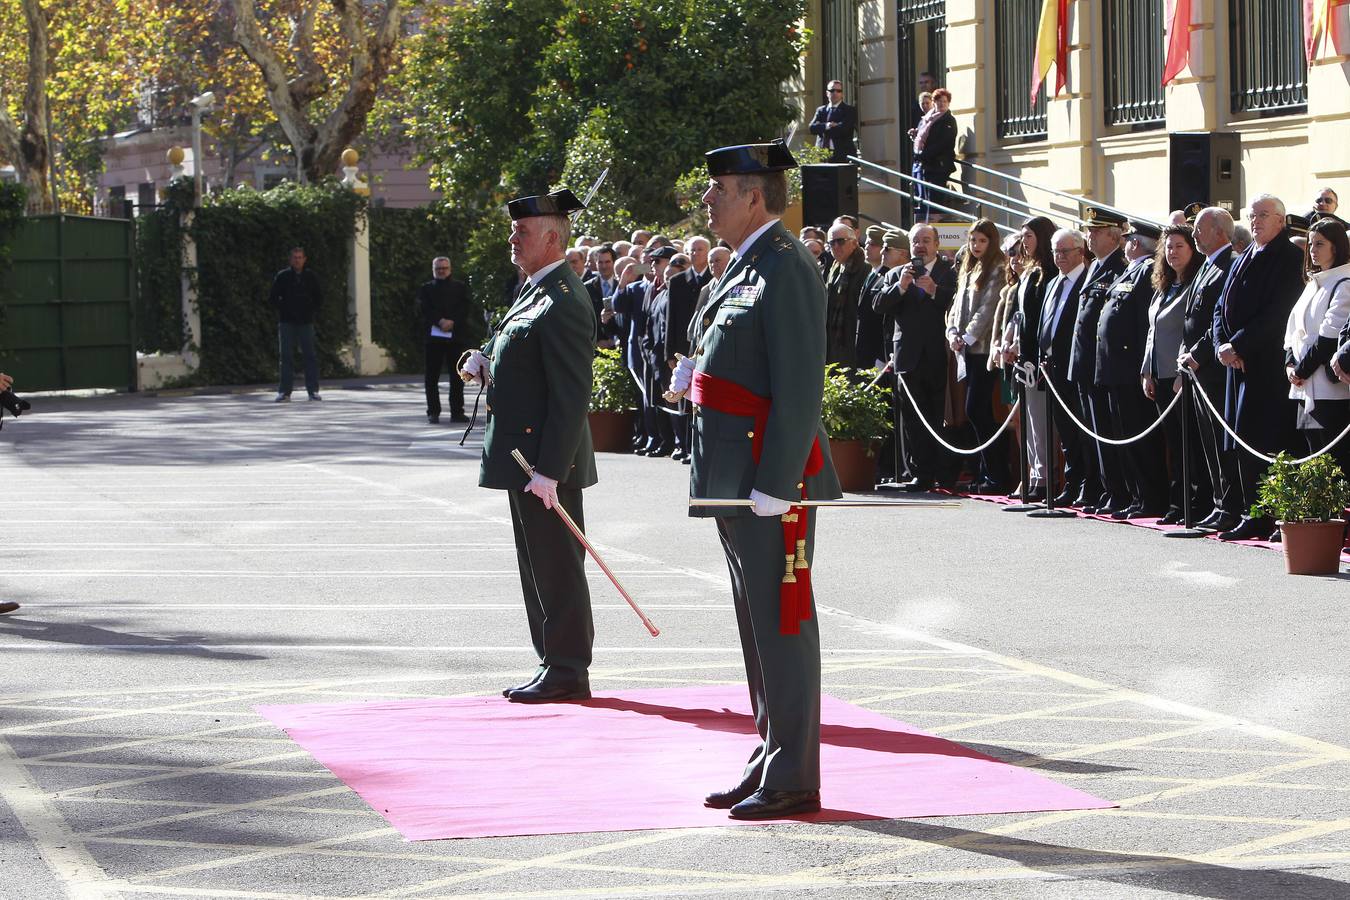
537,367
756,381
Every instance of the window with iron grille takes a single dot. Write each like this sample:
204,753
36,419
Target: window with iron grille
911,11
1015,51
1132,31
839,21
1268,72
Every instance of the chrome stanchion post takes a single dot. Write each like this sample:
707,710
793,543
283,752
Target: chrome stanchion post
1188,530
1023,456
1049,512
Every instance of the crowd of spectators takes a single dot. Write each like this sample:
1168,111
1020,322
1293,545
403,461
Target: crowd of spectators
1100,321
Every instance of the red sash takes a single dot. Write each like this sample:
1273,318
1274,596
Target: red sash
794,592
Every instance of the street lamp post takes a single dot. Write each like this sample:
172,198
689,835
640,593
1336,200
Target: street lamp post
202,103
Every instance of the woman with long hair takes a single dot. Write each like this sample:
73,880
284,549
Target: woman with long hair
970,325
1036,239
1311,337
1174,267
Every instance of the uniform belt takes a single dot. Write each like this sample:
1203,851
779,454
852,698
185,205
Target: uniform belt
730,398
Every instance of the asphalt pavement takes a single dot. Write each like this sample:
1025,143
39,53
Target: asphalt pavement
182,559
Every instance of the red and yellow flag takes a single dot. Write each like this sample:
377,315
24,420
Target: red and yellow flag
1319,22
1178,39
1052,46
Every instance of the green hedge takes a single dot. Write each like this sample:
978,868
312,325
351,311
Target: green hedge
159,267
243,238
11,217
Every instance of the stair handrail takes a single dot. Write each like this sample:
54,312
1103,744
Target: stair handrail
943,188
1081,201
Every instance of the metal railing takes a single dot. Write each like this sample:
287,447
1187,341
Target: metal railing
1268,70
1079,203
1134,63
964,214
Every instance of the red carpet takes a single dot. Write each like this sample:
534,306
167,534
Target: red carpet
1151,524
483,767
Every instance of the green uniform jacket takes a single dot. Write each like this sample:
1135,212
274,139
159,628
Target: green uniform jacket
541,386
765,332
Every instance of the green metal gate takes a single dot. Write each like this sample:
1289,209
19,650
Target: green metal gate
66,305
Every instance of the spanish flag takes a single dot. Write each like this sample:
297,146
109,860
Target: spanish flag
1178,39
1052,46
1319,22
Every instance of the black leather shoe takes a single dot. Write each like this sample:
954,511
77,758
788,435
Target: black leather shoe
679,456
1218,521
433,420
1146,513
459,418
729,798
1172,518
1248,529
506,692
1120,514
8,607
1063,499
766,803
544,692
916,486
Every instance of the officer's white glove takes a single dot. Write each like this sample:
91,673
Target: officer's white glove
473,366
682,375
545,488
768,506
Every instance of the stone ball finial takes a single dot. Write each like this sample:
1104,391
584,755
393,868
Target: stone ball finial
350,157
176,155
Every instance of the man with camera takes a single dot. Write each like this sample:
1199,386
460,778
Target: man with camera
10,402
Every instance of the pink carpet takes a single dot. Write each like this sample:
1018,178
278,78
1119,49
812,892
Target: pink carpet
1151,524
483,767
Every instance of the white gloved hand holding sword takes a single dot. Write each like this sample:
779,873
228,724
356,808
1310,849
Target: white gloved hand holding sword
474,367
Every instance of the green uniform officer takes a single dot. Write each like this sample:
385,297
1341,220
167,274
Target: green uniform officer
756,380
538,372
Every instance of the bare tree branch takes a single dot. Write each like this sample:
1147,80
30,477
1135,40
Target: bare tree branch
312,82
290,114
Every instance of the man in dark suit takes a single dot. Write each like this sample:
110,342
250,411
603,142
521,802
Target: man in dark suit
1104,484
443,308
602,286
870,348
765,352
1054,341
1122,332
538,373
1249,320
683,292
843,287
656,374
834,124
1214,237
917,296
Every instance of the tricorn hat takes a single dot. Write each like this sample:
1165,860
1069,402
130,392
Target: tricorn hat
1193,210
1144,229
1297,224
554,203
1103,218
750,159
663,253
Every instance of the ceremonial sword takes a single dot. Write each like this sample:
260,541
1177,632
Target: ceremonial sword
576,532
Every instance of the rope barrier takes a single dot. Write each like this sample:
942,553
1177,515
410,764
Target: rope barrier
937,437
1114,442
1218,417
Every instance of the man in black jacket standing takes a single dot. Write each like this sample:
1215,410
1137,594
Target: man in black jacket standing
1262,287
834,124
295,296
443,309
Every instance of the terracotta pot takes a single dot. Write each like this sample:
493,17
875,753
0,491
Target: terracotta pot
611,432
855,462
1313,548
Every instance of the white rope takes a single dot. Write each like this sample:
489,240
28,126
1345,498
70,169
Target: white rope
1114,442
937,437
1218,417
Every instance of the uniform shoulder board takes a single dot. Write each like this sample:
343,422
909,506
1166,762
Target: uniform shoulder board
782,244
562,286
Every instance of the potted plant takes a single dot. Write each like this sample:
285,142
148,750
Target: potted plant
856,418
614,398
1308,500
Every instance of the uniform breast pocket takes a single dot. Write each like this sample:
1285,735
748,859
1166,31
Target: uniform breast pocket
734,335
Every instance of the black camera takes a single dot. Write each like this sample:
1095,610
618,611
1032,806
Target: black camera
13,404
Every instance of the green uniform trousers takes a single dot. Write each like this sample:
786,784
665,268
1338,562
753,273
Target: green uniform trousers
553,578
782,670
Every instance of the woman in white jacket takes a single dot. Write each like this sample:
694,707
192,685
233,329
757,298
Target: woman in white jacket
970,326
1310,340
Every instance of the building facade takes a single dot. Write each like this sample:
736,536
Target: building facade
1114,134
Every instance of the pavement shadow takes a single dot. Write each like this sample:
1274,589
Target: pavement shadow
1147,873
30,628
